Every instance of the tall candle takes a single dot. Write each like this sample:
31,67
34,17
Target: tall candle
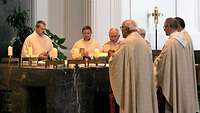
54,53
96,52
10,51
65,62
30,51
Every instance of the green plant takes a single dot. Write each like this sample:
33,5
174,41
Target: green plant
18,19
57,43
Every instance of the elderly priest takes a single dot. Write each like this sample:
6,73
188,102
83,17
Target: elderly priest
114,42
131,73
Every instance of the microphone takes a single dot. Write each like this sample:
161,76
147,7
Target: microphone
45,33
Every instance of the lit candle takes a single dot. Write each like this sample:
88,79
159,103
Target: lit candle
30,51
65,62
54,53
96,52
103,54
10,51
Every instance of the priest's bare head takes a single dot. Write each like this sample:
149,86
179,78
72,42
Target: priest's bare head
40,27
87,32
181,23
170,26
128,26
114,35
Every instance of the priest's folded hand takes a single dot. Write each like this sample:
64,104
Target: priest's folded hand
43,56
111,53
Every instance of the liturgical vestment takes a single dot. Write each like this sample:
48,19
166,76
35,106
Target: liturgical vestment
39,44
111,46
175,74
131,76
89,47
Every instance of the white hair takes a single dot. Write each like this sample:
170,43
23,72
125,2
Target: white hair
131,24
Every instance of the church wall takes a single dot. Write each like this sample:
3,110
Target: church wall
6,32
67,17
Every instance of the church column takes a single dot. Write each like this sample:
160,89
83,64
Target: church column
56,17
198,14
126,9
87,11
41,10
190,13
76,16
104,15
115,13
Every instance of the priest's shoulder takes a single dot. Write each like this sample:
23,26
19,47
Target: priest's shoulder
47,37
108,42
93,40
170,42
29,37
79,41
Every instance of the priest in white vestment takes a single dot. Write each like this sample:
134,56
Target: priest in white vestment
87,44
131,73
110,47
114,42
175,72
187,37
40,43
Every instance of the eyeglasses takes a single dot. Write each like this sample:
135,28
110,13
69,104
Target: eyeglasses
123,28
164,27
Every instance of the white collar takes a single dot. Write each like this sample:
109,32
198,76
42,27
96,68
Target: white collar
179,37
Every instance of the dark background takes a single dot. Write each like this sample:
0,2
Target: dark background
6,32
